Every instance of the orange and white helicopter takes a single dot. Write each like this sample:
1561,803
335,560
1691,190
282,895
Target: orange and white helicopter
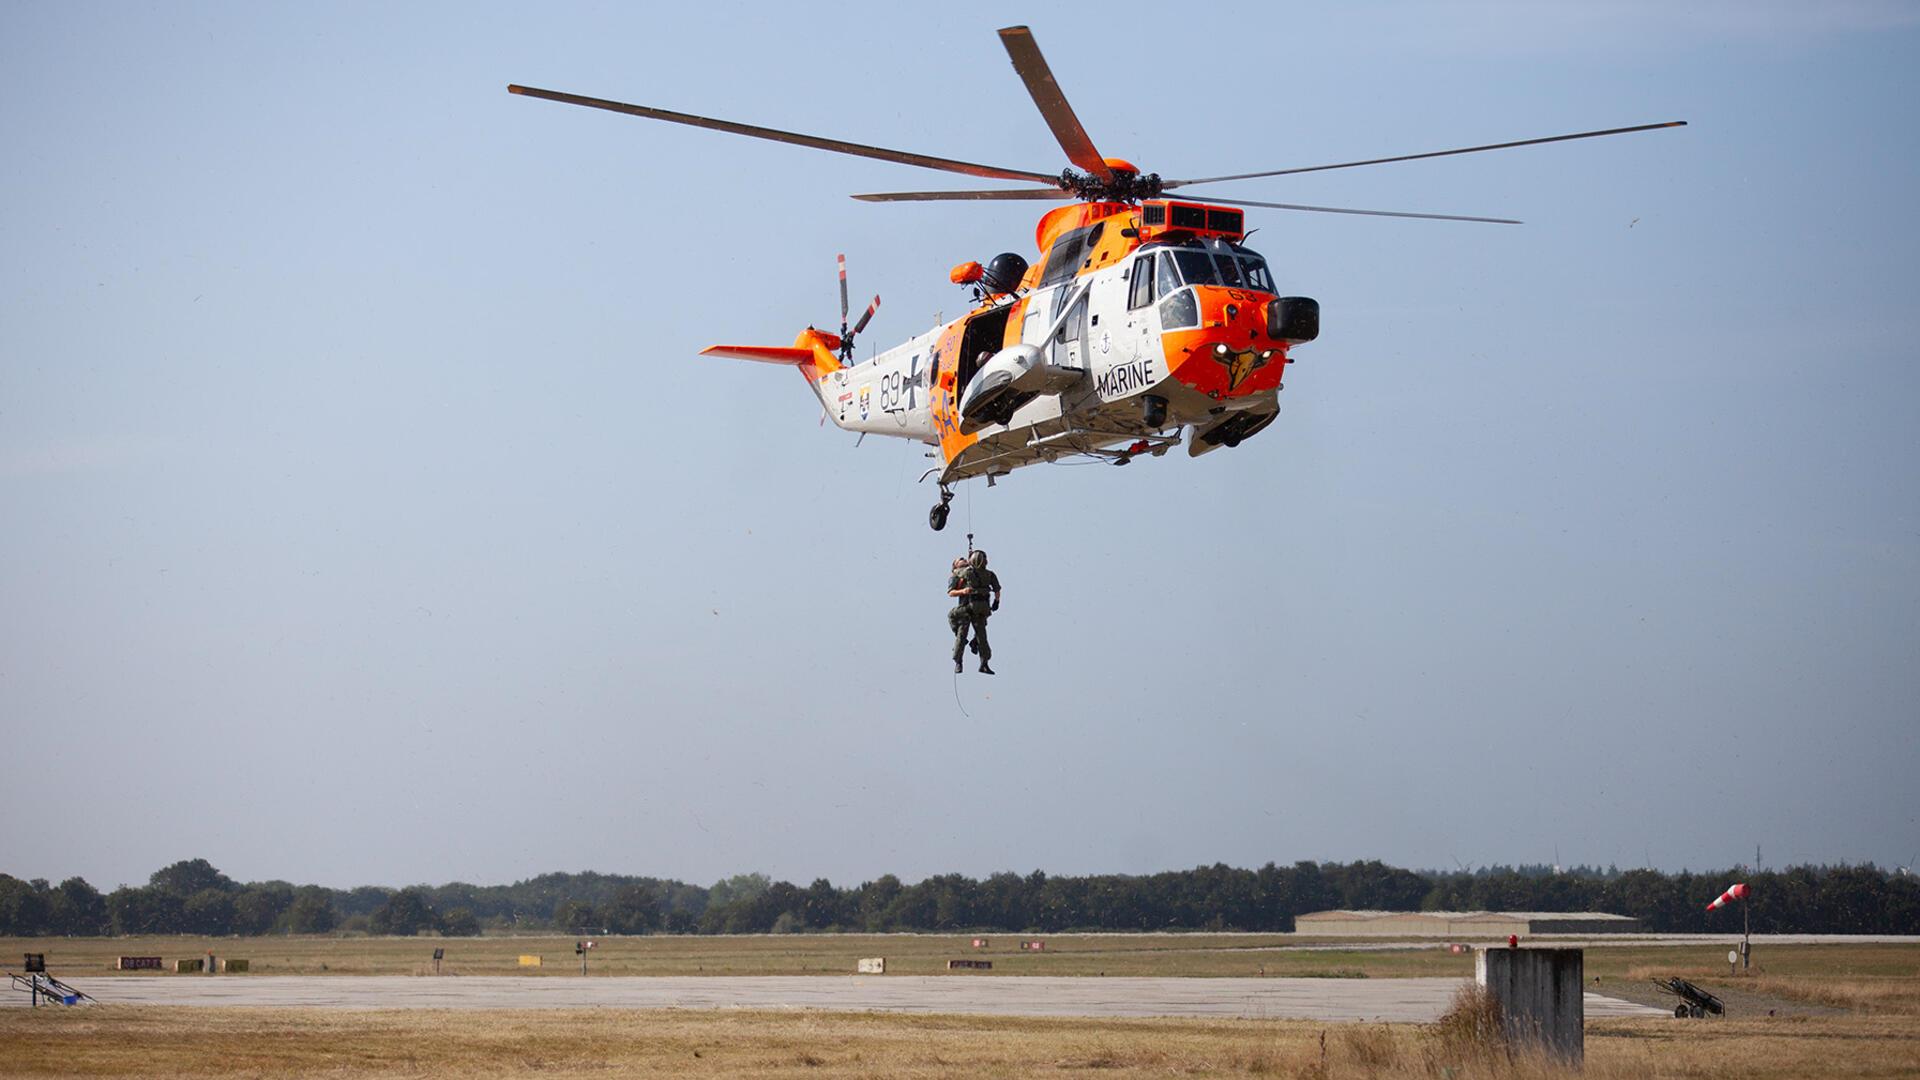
1145,322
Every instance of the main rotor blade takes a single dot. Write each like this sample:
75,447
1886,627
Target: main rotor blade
1046,93
1062,196
1430,154
1038,194
1366,213
902,157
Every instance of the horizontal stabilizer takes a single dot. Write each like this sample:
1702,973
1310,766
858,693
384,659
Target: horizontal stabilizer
766,354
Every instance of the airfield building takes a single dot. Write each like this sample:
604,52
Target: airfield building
1461,924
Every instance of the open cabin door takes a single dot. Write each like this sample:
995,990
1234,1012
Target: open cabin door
985,335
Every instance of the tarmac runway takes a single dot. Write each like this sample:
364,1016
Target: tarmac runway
1395,1000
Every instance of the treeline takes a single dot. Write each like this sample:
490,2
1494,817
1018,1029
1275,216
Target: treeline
192,897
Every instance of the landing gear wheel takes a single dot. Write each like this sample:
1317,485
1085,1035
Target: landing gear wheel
937,517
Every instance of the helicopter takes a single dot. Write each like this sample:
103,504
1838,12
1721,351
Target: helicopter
1145,323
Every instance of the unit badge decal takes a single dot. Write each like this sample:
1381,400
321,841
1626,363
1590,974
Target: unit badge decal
1239,366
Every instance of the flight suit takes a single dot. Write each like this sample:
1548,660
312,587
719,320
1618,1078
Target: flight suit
972,610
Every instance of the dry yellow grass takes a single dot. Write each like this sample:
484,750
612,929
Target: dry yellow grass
1873,993
1710,961
1881,979
129,1041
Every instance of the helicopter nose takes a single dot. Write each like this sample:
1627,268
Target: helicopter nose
1231,353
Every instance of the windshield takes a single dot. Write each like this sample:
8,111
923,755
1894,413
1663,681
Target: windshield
1255,268
1196,268
1220,263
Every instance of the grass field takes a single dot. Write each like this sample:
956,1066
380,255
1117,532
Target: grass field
1861,1015
125,1041
790,954
1195,955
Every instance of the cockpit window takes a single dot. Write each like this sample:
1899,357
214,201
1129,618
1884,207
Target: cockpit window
1255,269
1257,276
1179,310
1141,292
1213,262
1169,276
1229,270
1196,268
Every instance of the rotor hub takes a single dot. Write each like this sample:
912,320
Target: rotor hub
1128,185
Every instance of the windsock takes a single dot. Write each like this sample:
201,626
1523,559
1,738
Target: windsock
1738,892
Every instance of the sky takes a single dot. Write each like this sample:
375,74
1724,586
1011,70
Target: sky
370,516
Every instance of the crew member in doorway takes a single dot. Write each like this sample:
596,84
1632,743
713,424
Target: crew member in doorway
969,585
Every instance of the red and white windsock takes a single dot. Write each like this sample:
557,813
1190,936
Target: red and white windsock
1738,892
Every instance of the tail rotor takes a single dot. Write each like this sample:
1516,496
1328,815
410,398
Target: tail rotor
846,335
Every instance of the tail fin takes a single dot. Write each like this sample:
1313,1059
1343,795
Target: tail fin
812,352
769,354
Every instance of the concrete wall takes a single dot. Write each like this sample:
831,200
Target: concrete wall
1411,924
1574,924
1494,925
1541,995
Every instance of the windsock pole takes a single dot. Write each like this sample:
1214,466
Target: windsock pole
1739,892
1746,936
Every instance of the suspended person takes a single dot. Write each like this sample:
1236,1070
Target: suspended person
969,585
957,615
